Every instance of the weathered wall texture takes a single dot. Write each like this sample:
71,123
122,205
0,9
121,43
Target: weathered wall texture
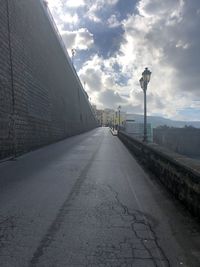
185,141
41,98
178,173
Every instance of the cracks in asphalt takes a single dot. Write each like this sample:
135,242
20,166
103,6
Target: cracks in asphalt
133,242
7,226
145,234
63,211
124,237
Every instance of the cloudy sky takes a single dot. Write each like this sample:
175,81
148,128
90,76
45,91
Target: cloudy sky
116,39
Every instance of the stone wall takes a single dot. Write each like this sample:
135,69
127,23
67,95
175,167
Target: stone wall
178,173
41,97
185,141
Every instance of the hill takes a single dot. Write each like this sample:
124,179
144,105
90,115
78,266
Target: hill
159,121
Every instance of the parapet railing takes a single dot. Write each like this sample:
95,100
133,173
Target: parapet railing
179,174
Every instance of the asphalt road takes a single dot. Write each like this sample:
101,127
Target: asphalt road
85,201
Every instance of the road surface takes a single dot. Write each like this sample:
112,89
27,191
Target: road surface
85,201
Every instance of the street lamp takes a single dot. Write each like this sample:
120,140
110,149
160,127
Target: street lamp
115,120
73,51
146,75
119,117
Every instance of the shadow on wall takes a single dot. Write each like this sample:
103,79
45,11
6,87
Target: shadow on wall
41,97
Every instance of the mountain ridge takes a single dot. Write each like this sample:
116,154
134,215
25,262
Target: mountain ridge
157,121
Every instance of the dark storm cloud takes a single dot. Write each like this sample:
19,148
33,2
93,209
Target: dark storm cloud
125,9
108,42
179,39
187,60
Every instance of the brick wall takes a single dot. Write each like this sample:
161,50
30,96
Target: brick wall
6,107
41,98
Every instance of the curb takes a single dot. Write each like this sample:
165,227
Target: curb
114,133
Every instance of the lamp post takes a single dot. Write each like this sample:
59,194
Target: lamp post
146,75
115,120
119,117
73,50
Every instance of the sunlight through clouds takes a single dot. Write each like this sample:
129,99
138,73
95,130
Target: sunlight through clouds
75,3
116,43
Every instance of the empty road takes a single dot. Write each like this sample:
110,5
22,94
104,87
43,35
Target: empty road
85,201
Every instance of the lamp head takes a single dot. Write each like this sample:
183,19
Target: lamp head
141,80
146,75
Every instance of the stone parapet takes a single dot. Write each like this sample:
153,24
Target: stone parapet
179,174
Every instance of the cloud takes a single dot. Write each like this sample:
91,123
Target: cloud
171,9
100,77
69,18
93,74
81,39
96,8
75,3
113,22
66,3
183,45
54,3
161,35
110,98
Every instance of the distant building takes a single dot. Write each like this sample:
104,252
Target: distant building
122,118
100,117
109,117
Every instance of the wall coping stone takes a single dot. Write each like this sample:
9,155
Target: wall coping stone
190,165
